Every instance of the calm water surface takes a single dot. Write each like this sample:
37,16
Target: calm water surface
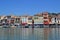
29,33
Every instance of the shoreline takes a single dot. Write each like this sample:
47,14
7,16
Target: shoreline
34,26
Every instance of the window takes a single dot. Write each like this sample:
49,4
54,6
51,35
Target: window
17,18
29,18
35,17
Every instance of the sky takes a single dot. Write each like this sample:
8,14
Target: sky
28,7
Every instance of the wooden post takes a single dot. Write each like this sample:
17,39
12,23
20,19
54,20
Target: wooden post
32,23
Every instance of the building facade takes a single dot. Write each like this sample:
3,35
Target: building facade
29,20
46,18
24,20
38,19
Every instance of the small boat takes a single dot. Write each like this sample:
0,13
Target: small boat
26,26
13,26
5,26
37,26
17,25
30,26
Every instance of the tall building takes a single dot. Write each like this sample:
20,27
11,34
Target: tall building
46,18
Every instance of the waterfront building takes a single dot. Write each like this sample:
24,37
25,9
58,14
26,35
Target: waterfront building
58,19
38,20
51,18
17,20
54,19
24,20
2,17
29,20
50,21
46,18
10,20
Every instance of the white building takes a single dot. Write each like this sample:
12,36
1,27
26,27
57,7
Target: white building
38,19
58,19
24,19
54,20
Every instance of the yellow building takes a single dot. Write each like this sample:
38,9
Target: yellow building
29,20
2,17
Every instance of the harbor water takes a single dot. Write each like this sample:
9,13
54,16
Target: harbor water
29,33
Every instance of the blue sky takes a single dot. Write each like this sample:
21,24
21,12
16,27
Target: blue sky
30,7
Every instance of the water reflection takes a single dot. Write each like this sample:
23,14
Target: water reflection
30,34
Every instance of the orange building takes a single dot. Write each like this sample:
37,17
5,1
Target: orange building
46,18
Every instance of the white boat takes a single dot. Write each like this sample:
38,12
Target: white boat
5,26
13,26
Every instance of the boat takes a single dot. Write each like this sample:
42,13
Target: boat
5,26
26,26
